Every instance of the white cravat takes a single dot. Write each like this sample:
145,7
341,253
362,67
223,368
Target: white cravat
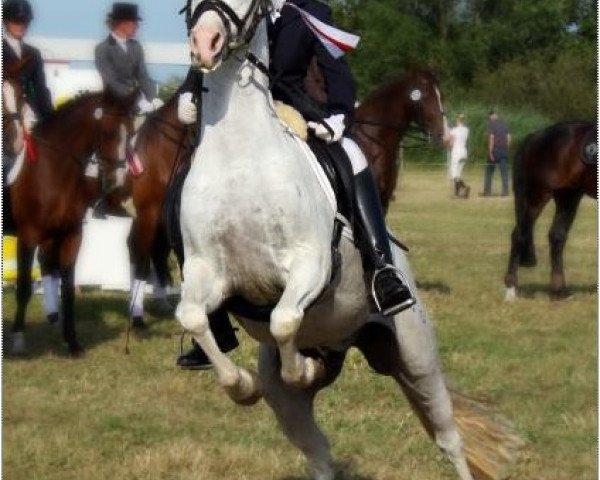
15,45
121,41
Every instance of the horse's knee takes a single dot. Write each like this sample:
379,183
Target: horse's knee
557,237
285,322
192,317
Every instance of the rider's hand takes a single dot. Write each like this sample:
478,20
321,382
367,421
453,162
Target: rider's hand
157,103
336,124
186,109
144,106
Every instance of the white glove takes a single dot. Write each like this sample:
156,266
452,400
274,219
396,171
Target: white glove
29,118
187,113
335,122
144,106
157,103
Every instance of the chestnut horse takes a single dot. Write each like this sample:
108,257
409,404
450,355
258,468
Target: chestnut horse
164,144
50,196
559,162
383,118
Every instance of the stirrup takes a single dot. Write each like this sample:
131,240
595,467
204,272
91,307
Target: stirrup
394,309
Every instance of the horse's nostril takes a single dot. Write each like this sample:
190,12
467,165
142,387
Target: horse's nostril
214,44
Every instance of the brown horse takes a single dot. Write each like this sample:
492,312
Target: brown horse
558,162
50,196
163,145
383,118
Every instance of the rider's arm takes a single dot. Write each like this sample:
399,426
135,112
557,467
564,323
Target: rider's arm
339,84
42,94
147,85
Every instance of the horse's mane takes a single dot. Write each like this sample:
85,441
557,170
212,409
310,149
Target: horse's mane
65,112
397,81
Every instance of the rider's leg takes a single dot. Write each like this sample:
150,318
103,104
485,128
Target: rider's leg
389,292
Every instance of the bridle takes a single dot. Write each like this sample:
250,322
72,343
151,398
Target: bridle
245,26
414,130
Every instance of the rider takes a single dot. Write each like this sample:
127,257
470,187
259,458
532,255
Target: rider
120,62
292,47
16,17
120,58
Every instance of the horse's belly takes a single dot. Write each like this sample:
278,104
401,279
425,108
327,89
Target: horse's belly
339,312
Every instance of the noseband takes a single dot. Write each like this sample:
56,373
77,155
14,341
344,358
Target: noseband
256,12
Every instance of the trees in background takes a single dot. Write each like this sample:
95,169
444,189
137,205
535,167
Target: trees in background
538,54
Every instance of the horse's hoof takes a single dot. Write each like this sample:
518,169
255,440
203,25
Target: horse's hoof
247,390
139,327
18,344
511,294
559,295
75,349
162,307
53,318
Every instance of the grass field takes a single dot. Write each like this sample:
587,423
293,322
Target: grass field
117,416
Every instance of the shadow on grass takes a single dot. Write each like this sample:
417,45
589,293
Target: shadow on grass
98,319
438,287
344,471
530,290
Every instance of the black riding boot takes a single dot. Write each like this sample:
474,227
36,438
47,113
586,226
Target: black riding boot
196,359
457,187
389,293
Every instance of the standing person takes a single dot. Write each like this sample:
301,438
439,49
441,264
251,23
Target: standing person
457,140
498,144
17,16
120,59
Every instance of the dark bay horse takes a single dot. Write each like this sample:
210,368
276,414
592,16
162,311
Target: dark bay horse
558,162
383,118
51,194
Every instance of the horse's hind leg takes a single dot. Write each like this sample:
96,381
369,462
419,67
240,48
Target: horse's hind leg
67,255
50,279
202,294
410,357
294,411
522,250
567,203
23,294
305,282
160,257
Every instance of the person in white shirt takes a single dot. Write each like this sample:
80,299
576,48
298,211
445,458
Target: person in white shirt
457,141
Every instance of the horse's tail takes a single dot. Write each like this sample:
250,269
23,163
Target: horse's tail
490,442
524,240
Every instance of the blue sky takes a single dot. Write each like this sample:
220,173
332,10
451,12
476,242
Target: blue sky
85,19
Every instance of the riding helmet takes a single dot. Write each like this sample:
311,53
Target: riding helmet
17,11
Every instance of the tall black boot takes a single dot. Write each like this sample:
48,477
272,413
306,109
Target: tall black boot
389,293
220,324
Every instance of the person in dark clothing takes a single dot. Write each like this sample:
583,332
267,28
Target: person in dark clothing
498,144
293,45
17,16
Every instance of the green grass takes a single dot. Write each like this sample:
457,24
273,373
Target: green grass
136,416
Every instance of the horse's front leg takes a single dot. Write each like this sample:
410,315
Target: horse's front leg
23,293
566,208
202,294
68,250
306,281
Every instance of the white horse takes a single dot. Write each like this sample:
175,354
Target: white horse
257,222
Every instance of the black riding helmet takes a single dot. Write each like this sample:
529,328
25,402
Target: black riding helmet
17,11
